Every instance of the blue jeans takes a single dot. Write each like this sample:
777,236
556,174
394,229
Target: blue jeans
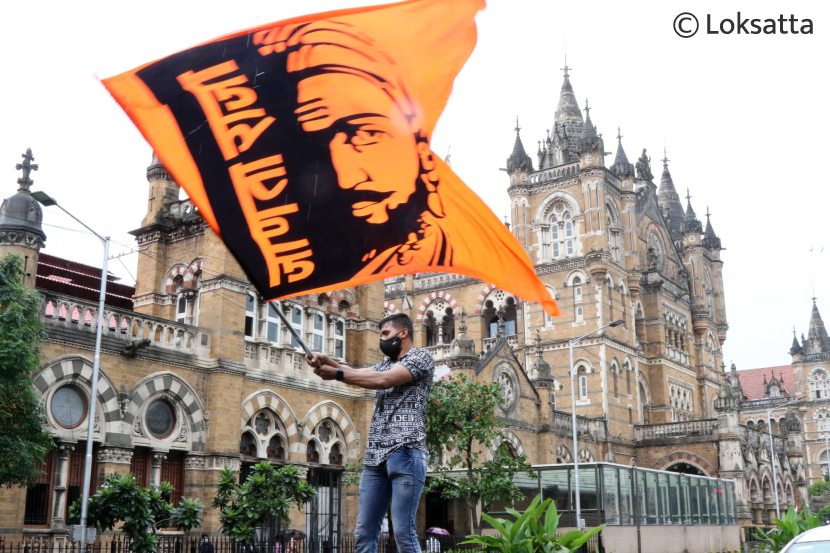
399,480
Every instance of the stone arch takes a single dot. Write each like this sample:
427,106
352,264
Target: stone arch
191,274
641,381
569,280
342,297
178,391
267,399
554,294
483,294
585,456
563,455
390,308
331,410
612,209
431,298
689,458
754,487
78,369
551,199
582,361
507,436
177,270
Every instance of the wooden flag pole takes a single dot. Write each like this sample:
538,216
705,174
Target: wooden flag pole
294,332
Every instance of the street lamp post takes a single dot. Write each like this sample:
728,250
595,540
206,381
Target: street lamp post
580,524
772,455
46,200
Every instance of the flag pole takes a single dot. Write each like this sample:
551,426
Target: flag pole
294,332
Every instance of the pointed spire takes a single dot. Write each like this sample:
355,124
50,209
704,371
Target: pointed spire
669,200
540,367
519,160
462,324
710,239
622,167
817,339
690,213
796,347
568,114
588,129
156,170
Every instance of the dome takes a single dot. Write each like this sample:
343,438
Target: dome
22,213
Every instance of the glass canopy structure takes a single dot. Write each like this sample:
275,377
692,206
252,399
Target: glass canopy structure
619,495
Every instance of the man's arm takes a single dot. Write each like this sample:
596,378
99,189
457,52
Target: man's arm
367,378
318,359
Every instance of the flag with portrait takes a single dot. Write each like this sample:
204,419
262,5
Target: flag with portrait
305,145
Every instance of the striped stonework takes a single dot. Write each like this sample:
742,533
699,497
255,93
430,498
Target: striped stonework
431,298
332,411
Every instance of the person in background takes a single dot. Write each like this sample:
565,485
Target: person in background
205,546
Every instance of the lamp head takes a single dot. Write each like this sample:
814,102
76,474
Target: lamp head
618,322
44,198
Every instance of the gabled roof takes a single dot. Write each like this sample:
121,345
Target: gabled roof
70,278
753,380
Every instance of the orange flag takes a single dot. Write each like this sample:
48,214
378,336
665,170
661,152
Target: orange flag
305,145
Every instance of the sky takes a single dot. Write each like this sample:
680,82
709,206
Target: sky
743,119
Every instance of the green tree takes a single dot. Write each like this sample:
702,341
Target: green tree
24,438
142,510
268,492
818,488
788,527
461,423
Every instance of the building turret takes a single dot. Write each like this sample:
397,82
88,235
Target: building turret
710,239
163,192
796,348
519,161
568,117
691,224
817,339
463,356
21,231
622,167
590,146
669,200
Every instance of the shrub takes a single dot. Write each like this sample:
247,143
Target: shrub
818,488
789,526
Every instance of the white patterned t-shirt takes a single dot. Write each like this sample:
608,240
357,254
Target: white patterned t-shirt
399,417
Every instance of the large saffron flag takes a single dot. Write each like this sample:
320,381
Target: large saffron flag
305,144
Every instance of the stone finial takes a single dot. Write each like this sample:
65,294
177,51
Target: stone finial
27,167
462,324
501,324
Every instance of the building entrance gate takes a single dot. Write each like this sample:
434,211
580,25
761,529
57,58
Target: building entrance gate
323,512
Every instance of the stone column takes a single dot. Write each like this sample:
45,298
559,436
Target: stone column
155,468
59,488
759,514
112,460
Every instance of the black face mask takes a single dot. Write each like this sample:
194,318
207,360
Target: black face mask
391,348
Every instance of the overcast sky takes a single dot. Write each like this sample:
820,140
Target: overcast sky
743,119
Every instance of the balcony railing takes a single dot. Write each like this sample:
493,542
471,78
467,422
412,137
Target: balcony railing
687,429
677,355
512,341
766,402
563,423
81,315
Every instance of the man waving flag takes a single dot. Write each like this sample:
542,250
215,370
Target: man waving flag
306,145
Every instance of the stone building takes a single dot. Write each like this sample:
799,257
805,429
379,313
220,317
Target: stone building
197,372
610,244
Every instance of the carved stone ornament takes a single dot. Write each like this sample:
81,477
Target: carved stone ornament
96,425
64,450
194,462
218,463
115,455
18,238
207,420
157,460
182,437
137,428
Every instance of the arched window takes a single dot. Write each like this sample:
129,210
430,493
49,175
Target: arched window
614,371
181,310
296,324
247,445
250,315
273,323
275,449
312,453
318,333
818,382
552,401
491,316
627,370
820,423
578,314
630,415
431,328
548,318
335,455
343,307
774,391
583,382
610,299
340,338
562,234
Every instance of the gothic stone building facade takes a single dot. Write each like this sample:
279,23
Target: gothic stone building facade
197,373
